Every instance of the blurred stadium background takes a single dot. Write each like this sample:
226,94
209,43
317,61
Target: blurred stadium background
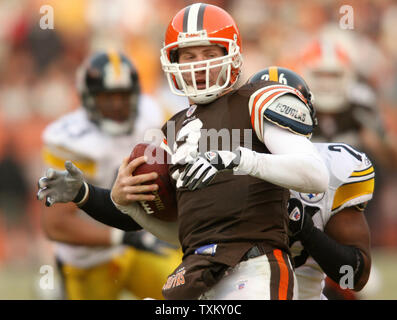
37,85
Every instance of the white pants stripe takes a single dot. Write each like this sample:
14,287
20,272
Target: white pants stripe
248,280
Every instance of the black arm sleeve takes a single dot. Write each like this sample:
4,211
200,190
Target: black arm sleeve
100,207
331,255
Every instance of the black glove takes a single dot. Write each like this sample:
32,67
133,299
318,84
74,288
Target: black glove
145,241
300,220
200,173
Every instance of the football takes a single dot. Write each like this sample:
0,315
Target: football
164,207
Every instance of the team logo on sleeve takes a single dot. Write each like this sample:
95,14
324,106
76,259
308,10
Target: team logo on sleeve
312,197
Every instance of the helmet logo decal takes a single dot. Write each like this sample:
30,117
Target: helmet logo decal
311,197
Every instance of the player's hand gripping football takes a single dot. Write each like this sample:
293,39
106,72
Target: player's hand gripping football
128,188
60,186
203,169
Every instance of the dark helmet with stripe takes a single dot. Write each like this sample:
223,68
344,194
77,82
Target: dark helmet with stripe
289,78
109,73
202,24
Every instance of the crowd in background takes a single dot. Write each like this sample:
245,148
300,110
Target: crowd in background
37,81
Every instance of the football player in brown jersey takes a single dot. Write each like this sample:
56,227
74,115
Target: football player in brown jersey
235,153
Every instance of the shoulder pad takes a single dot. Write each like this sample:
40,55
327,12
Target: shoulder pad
282,105
344,162
289,112
352,175
72,126
72,137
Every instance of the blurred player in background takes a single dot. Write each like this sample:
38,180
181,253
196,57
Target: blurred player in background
347,110
98,262
346,104
329,230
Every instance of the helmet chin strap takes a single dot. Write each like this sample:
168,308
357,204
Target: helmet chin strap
115,128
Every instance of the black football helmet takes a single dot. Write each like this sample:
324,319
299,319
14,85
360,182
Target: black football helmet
290,78
109,72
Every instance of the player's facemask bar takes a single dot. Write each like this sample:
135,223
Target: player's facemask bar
176,72
107,125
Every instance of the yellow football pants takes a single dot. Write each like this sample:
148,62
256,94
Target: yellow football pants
143,274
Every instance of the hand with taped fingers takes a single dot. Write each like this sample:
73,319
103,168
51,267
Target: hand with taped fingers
128,188
61,186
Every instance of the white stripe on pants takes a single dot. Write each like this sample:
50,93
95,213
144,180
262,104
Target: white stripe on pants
248,280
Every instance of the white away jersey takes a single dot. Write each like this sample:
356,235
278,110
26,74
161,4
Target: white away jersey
99,155
351,183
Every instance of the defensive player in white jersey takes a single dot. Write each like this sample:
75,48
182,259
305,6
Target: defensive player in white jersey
96,261
329,233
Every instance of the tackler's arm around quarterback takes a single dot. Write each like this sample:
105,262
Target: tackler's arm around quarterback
64,224
294,163
350,229
62,186
345,242
69,186
120,211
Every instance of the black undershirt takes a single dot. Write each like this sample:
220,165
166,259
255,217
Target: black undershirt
100,207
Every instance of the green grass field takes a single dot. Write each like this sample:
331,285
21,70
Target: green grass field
19,282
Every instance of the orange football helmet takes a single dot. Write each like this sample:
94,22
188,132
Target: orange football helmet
328,71
201,25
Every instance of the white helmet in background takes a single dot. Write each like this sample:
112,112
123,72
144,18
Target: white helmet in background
328,71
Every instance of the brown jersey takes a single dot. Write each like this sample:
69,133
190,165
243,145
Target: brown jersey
233,211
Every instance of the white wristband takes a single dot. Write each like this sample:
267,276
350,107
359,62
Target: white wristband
116,236
86,193
247,161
